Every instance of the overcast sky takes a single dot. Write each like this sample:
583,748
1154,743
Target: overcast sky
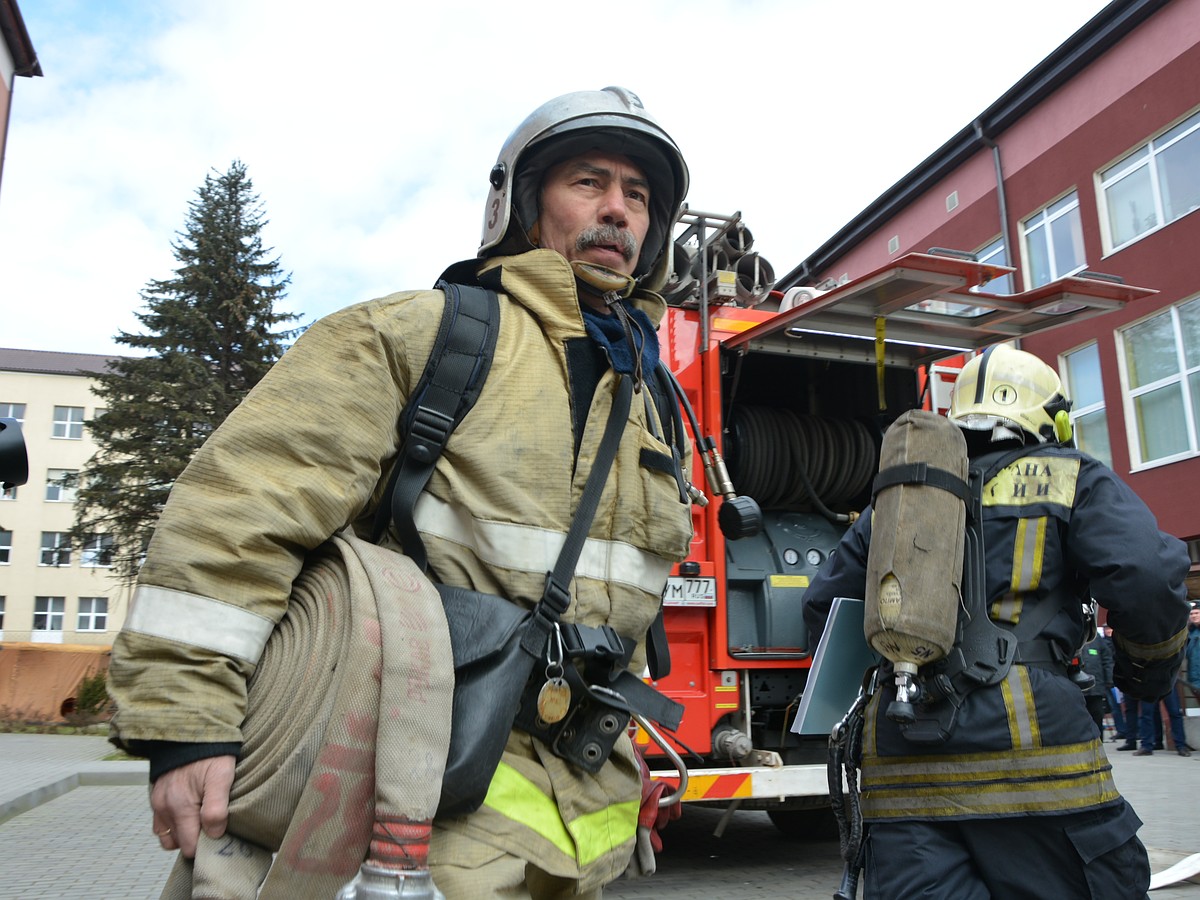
368,128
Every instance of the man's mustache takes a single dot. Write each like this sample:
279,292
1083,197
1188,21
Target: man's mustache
607,235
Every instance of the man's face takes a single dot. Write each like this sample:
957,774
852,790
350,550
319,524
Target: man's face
1194,617
595,207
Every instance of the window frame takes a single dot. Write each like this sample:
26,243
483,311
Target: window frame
996,247
1079,411
92,615
90,557
51,613
8,410
6,539
1045,221
63,416
58,548
1180,376
64,494
1144,155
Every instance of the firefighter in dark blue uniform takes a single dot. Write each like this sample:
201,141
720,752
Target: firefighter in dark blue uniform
1019,800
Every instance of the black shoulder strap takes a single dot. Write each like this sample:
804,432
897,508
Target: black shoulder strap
921,473
454,375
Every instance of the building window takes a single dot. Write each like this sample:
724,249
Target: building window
1,615
1161,358
48,613
97,552
9,493
1089,419
1154,185
995,254
1054,241
61,485
56,548
68,422
5,547
93,614
13,411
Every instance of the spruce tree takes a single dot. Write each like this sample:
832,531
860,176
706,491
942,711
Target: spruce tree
211,333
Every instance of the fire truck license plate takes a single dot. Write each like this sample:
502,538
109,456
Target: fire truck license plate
690,592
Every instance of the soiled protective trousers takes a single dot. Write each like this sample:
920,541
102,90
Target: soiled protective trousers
466,869
1094,854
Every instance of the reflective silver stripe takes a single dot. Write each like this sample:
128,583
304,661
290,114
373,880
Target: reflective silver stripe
526,548
198,622
1061,761
1048,779
1023,729
1027,554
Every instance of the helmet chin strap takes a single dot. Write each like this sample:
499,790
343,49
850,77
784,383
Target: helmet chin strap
604,279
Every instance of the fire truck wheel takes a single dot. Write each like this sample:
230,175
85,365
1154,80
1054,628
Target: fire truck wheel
805,824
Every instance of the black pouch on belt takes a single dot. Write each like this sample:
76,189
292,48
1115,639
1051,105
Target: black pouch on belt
495,645
603,696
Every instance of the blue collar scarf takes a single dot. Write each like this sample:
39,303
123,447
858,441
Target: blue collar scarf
608,333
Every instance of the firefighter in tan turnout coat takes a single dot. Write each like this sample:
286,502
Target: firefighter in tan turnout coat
580,211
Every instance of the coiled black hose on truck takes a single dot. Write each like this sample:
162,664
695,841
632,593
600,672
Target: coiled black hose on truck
792,461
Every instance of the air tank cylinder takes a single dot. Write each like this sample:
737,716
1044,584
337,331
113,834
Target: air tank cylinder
915,561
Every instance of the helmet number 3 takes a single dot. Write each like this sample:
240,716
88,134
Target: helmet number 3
495,213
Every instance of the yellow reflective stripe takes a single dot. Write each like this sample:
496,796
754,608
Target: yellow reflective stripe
1023,729
1046,779
198,622
1167,649
1056,795
603,831
1028,554
516,797
1007,609
526,548
585,839
1060,761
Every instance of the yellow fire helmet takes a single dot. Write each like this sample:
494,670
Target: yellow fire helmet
1008,391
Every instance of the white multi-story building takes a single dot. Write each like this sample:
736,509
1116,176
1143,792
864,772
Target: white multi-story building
51,592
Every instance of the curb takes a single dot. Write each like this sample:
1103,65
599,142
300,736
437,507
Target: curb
116,773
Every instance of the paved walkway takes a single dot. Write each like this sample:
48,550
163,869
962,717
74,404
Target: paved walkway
75,825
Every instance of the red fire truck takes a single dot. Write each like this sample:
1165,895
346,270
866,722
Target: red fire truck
794,389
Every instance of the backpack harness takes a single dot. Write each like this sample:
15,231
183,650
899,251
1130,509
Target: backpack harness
448,388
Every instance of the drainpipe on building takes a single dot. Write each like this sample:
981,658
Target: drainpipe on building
1001,198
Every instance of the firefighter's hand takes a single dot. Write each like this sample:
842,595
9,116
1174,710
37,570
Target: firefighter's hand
1144,681
652,818
189,798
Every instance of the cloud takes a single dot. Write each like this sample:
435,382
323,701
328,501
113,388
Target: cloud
369,130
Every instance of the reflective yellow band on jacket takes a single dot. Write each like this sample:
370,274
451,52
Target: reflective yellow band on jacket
1048,796
198,622
1045,779
586,839
1034,479
1023,729
526,548
1028,553
1168,649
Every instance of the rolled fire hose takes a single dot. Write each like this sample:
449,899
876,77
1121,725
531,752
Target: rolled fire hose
329,775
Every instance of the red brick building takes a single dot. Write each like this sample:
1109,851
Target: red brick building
1089,163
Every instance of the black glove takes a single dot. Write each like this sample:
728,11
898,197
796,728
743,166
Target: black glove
1144,680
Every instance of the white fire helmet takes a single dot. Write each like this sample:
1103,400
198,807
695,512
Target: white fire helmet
612,120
